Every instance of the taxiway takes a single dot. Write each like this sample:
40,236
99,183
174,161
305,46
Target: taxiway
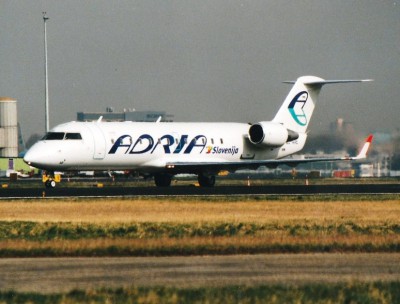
120,191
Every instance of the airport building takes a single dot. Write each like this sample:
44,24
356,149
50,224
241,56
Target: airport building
8,127
126,115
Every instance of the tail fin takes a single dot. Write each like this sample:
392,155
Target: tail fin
296,111
363,152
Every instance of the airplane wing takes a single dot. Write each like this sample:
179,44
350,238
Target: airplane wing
215,167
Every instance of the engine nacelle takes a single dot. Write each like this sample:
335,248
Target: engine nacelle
270,134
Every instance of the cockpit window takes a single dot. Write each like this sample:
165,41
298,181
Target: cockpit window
54,136
61,136
73,136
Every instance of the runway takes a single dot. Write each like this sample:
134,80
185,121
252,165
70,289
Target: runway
120,191
50,275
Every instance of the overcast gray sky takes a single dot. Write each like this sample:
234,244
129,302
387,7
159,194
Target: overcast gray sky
205,60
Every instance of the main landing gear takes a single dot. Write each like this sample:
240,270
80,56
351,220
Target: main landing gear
163,179
206,180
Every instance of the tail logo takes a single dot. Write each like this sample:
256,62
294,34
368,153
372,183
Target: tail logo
296,108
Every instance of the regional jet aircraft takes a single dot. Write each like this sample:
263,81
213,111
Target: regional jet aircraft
164,149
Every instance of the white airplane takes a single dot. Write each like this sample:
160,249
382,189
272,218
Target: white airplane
164,149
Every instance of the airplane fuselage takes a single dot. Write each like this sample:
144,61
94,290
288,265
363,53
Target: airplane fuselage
147,146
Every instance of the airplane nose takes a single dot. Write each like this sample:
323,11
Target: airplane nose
44,156
36,157
30,158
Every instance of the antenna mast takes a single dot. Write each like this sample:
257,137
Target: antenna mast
45,18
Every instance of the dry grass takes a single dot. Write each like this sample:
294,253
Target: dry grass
248,241
169,211
278,242
286,226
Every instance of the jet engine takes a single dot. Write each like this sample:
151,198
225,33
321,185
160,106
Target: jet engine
270,134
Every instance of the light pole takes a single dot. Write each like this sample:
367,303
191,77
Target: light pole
45,18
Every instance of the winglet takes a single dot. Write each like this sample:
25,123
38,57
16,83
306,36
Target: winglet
365,148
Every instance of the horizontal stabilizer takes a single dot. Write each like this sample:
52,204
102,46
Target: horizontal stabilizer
322,82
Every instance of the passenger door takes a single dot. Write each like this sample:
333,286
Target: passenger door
99,141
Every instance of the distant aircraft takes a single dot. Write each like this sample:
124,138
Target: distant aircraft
165,149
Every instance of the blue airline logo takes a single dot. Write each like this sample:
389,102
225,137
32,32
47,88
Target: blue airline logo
146,144
296,108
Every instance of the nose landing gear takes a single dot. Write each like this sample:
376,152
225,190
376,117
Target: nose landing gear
50,179
50,183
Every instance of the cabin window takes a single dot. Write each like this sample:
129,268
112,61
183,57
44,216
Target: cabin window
212,141
54,136
73,136
222,141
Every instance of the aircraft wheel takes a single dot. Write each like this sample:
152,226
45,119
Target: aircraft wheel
162,180
206,180
50,183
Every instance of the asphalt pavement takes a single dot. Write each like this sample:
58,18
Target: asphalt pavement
120,191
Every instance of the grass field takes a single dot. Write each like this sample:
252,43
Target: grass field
145,227
187,227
